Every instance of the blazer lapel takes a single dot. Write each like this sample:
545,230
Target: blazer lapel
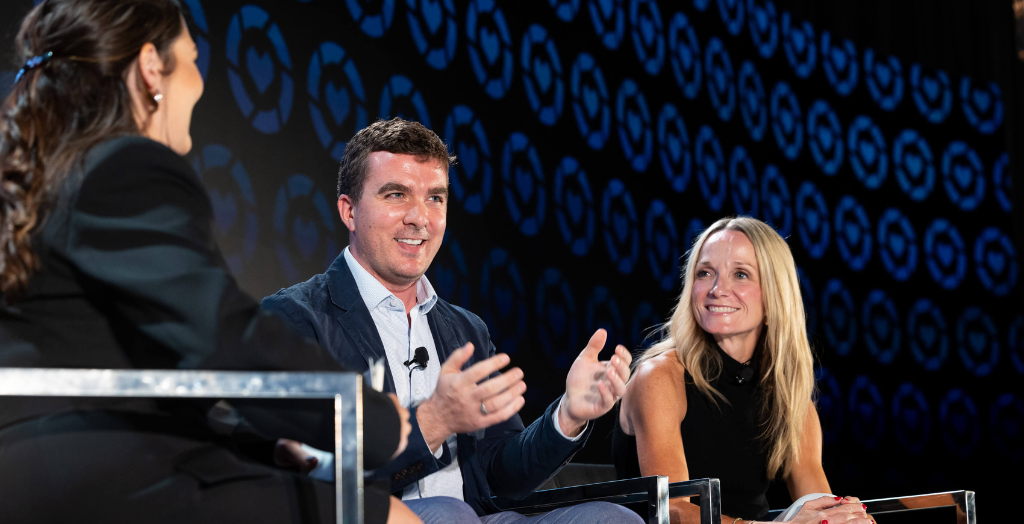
355,319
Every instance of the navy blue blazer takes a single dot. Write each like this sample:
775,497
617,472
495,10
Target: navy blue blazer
506,459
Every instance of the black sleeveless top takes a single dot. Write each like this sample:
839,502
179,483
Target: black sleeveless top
718,441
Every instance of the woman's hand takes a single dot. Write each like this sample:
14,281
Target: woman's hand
403,415
832,510
289,455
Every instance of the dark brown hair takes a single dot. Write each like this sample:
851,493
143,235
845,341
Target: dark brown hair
394,136
58,111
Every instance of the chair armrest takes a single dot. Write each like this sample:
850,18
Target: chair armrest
963,501
344,388
654,490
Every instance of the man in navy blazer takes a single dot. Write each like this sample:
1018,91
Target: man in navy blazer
374,302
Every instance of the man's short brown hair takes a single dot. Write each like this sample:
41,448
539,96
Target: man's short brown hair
394,136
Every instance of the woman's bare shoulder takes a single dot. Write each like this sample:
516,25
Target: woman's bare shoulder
662,368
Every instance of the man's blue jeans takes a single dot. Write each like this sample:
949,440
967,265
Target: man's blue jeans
448,510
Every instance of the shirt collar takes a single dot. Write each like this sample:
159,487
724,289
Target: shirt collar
374,293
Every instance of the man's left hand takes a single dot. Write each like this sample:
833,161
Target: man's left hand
593,386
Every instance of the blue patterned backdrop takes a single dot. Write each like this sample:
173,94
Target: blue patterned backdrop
596,138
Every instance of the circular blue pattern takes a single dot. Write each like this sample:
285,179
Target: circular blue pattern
201,37
982,105
575,206
721,84
590,101
434,30
471,178
565,10
926,331
542,75
897,244
884,78
764,28
337,100
1015,343
300,212
853,233
662,245
932,93
944,253
603,312
646,322
609,19
911,418
693,231
753,105
812,220
684,55
525,195
373,17
867,412
839,60
505,302
958,423
787,121
913,164
799,44
1007,422
701,5
674,148
839,317
621,229
743,182
825,137
881,327
449,273
556,311
732,15
963,175
634,120
234,209
977,341
868,152
775,201
995,260
401,98
490,47
711,175
261,70
648,34
829,401
1002,182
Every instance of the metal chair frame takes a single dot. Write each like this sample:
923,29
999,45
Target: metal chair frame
344,388
963,501
654,490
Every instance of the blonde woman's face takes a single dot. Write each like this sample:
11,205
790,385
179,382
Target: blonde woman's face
726,291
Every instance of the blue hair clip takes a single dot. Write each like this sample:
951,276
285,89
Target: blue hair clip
33,63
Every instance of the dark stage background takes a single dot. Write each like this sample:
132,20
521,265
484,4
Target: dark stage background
596,137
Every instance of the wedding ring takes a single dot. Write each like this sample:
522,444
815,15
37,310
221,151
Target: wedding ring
483,409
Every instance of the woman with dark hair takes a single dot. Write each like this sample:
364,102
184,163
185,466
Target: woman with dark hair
726,393
107,260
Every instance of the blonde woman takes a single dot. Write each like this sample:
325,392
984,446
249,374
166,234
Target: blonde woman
727,391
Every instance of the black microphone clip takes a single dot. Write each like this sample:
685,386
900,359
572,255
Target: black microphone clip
419,359
744,375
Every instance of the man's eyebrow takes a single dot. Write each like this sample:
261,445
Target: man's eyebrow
393,187
439,190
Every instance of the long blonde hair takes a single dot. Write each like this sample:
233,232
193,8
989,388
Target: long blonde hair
787,379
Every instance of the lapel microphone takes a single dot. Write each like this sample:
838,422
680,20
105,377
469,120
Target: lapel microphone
744,375
419,359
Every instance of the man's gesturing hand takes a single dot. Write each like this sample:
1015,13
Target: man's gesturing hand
593,386
455,405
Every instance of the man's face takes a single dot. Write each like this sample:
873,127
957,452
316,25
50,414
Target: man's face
398,223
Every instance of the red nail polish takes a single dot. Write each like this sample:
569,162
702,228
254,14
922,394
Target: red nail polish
824,522
865,506
839,498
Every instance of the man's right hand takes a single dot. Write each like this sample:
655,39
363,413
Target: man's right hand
455,405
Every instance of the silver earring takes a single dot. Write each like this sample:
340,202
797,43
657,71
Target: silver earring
158,97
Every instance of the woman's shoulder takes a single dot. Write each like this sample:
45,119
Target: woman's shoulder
665,366
131,150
